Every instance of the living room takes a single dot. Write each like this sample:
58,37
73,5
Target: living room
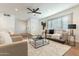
30,29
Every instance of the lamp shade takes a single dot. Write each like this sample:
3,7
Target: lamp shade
71,26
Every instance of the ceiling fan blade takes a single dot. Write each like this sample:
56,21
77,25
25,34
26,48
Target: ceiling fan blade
37,9
38,12
29,12
29,9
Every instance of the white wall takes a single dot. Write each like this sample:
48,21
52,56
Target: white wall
21,26
75,11
33,26
7,23
29,26
11,24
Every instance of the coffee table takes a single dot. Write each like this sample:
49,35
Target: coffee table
37,42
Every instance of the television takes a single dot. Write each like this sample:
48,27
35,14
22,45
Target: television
51,31
71,26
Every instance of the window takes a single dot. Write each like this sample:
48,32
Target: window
60,22
56,24
49,25
65,22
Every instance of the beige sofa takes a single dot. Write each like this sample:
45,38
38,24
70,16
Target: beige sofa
59,36
24,35
18,48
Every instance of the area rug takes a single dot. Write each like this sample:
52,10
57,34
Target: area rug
52,49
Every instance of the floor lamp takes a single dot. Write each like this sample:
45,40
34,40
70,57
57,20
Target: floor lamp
72,27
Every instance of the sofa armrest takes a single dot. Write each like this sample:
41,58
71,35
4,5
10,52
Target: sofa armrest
17,38
19,48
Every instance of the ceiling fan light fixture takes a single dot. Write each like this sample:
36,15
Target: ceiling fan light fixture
34,14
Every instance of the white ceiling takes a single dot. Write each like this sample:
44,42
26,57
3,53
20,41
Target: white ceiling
46,9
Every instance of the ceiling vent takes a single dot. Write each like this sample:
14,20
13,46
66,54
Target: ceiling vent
6,14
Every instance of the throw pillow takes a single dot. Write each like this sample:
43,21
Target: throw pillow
5,38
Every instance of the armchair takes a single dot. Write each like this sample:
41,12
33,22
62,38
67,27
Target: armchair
12,45
18,48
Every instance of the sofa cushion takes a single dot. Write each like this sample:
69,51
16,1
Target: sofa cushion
17,38
5,38
56,36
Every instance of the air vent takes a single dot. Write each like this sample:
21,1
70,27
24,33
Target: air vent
6,14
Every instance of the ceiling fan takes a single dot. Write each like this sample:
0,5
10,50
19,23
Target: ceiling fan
34,11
